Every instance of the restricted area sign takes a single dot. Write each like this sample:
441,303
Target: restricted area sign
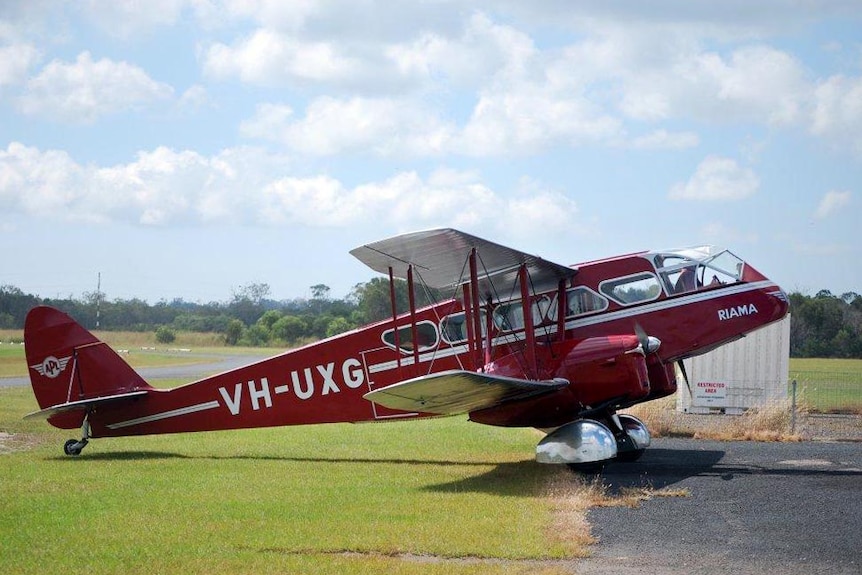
710,393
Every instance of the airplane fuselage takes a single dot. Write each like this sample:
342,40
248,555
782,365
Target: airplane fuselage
597,353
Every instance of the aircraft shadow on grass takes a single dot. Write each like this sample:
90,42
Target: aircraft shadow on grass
658,468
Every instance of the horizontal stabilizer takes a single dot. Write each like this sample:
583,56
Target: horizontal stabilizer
458,391
83,404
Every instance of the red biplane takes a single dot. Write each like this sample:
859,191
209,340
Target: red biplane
522,342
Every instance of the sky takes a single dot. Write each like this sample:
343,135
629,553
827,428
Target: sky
187,148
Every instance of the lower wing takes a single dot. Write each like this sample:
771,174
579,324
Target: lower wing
458,391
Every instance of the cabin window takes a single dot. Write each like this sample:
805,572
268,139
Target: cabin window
510,316
724,268
632,289
680,274
696,268
580,301
453,328
426,333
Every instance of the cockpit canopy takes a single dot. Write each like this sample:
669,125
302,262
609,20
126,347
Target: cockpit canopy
690,269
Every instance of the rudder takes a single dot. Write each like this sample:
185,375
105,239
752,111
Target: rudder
68,364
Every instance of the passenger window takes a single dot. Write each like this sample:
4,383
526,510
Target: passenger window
510,316
580,301
425,331
632,289
454,327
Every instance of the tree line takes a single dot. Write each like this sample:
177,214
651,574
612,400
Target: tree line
822,325
250,317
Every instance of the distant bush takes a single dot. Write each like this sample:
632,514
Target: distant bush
164,334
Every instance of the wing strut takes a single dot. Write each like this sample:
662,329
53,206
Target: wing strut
414,332
476,320
562,309
393,302
529,330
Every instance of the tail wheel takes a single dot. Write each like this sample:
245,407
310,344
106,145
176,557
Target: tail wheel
72,447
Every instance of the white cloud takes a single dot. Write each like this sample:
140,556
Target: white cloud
664,140
275,14
48,184
526,119
268,57
160,187
15,62
483,50
330,126
755,82
87,89
717,179
195,97
831,202
534,209
404,200
125,19
838,111
165,187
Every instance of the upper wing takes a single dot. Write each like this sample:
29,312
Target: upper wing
457,391
440,256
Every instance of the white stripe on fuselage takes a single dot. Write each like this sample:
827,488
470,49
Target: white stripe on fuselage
689,299
166,415
695,297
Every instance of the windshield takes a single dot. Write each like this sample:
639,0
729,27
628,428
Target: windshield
691,269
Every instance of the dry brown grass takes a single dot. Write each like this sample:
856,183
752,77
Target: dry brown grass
764,424
659,416
770,423
572,495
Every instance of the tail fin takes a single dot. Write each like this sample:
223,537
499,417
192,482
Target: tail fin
69,365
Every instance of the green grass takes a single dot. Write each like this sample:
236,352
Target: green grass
14,364
829,365
828,385
316,499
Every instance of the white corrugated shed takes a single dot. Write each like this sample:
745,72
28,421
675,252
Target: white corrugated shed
750,372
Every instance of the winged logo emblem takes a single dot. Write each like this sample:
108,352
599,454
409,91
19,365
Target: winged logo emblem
51,366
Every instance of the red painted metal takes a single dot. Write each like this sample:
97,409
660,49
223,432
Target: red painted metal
529,332
562,304
411,295
474,304
596,351
393,302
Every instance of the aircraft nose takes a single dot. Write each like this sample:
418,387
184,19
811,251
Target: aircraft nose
781,303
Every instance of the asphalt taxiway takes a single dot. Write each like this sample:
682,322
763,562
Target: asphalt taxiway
749,507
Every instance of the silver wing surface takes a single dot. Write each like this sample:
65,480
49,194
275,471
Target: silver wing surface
458,391
440,257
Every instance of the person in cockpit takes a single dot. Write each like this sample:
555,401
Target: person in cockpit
686,281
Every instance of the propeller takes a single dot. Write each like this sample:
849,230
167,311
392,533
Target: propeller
648,343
